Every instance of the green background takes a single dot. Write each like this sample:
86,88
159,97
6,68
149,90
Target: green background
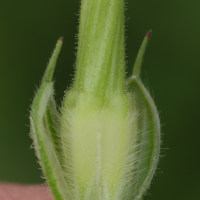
28,33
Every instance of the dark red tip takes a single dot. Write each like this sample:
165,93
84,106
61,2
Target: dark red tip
60,39
148,34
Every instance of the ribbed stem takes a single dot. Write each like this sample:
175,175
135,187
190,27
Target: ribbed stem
100,66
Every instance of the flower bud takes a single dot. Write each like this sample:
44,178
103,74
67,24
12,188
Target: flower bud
104,144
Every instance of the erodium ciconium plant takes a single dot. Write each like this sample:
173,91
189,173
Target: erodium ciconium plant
104,142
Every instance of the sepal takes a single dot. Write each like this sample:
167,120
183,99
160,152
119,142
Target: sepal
43,131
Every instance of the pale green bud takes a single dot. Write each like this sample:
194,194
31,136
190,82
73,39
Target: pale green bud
104,145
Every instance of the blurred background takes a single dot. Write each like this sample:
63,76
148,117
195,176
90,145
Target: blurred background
171,71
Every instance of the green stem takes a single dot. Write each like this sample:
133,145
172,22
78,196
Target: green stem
100,67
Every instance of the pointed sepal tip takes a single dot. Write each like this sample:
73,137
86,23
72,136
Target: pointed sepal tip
148,35
60,39
139,58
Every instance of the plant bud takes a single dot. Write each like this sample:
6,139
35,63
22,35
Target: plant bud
104,143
